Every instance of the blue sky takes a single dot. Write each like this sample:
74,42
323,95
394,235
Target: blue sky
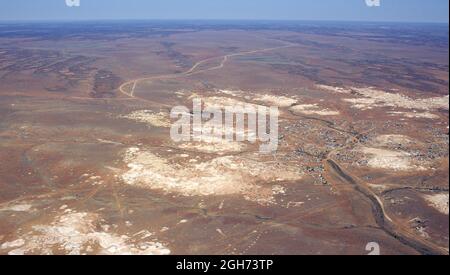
340,10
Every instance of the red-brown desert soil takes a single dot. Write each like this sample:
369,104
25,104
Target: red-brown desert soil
88,166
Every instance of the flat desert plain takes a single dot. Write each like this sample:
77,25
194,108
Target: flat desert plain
88,165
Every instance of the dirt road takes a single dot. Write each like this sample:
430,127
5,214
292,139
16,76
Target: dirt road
192,70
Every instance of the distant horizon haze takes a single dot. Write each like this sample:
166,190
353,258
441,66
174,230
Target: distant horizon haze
409,11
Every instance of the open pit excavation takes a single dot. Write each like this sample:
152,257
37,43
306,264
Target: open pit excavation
90,165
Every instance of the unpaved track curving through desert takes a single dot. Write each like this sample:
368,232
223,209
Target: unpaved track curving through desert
193,70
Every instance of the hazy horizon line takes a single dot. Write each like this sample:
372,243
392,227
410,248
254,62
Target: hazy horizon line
215,19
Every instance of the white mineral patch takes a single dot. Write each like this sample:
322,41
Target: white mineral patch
17,208
313,109
369,98
363,103
219,147
334,89
387,159
77,233
236,93
273,100
265,99
427,115
278,189
294,204
439,202
226,175
13,244
161,120
220,103
386,140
